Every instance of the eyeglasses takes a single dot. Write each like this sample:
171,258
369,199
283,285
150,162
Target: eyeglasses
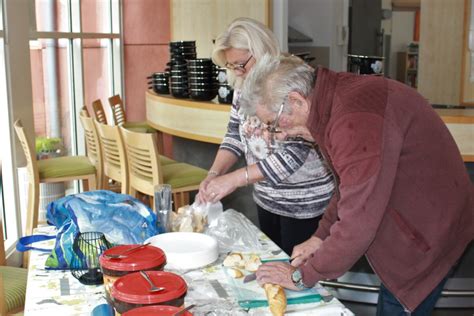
273,127
238,67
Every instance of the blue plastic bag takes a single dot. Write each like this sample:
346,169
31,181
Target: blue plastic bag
121,218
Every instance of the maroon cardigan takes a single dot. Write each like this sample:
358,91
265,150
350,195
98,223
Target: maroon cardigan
404,197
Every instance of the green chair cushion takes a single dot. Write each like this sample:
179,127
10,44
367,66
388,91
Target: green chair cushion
65,167
14,282
166,161
139,127
181,175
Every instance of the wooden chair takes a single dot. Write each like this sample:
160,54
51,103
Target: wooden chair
60,169
12,283
146,170
118,112
94,152
99,112
119,117
113,155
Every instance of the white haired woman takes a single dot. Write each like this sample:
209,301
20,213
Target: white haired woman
292,184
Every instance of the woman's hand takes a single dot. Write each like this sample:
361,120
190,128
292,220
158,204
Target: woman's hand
221,186
202,197
304,250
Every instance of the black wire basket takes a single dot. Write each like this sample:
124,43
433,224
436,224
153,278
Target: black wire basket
87,248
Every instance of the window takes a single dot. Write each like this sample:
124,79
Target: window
75,58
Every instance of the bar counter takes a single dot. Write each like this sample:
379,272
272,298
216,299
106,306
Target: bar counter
207,121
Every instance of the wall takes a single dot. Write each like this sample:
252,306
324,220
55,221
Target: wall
146,33
403,23
440,52
321,20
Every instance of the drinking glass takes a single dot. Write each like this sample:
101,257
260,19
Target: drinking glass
163,206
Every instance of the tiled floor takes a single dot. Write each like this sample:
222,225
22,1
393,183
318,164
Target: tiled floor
360,309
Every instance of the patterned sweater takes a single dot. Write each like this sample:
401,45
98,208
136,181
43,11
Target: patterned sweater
298,183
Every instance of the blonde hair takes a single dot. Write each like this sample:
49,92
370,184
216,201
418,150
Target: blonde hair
272,79
245,33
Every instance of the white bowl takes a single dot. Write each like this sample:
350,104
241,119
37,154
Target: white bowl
186,250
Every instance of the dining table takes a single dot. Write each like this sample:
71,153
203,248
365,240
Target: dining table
210,288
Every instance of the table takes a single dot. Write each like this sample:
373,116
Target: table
52,292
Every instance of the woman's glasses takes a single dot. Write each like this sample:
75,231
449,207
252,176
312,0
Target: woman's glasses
273,127
238,67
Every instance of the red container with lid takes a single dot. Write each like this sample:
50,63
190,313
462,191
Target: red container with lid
147,258
132,291
162,310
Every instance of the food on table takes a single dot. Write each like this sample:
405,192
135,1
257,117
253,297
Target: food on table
235,273
276,299
234,259
252,263
188,219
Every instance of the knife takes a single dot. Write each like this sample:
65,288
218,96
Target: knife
250,277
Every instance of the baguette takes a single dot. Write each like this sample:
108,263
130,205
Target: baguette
276,299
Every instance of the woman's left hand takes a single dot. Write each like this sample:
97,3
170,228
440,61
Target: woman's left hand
276,273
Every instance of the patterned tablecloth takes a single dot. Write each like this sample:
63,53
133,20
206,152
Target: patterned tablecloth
210,288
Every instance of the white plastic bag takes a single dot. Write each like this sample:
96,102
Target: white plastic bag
234,232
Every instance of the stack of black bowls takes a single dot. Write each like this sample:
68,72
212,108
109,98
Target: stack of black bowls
179,53
225,92
159,82
202,78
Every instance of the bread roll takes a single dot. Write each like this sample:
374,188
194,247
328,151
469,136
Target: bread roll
276,299
234,259
252,263
235,273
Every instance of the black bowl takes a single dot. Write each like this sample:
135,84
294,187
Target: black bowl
202,74
157,75
225,94
202,94
200,62
179,93
183,44
161,89
208,79
204,85
222,75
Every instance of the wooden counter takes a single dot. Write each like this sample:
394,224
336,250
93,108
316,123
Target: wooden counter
460,123
197,120
207,121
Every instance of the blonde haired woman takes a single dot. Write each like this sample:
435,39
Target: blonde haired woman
292,185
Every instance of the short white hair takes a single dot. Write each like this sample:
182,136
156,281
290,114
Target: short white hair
245,33
272,79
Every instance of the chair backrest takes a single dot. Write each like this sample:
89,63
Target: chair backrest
118,112
99,112
94,151
143,160
33,177
113,153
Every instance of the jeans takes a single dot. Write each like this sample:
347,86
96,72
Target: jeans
388,305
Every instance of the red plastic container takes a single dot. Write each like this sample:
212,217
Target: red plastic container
132,291
145,258
162,310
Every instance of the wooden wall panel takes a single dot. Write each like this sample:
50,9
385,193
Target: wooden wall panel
467,86
204,20
441,33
